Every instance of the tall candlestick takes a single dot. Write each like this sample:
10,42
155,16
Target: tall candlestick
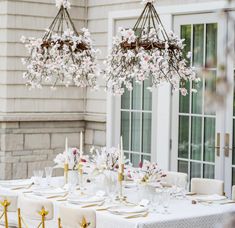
122,155
81,143
66,150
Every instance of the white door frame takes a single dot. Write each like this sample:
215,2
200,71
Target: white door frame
162,107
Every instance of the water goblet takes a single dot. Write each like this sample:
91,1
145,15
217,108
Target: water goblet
48,172
166,200
38,174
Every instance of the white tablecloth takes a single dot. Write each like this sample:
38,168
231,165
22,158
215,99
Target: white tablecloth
183,214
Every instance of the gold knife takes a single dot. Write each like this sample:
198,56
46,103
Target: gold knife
137,216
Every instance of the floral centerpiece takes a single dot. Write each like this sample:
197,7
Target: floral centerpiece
147,173
105,159
147,52
72,157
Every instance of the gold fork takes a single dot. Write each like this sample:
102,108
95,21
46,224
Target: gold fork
142,215
57,196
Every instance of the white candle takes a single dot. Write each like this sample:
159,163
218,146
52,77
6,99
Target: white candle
81,143
122,155
119,160
66,150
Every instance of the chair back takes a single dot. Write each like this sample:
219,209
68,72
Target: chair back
12,198
205,186
31,207
77,217
173,178
233,193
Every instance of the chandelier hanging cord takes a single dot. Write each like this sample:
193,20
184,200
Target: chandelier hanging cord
149,15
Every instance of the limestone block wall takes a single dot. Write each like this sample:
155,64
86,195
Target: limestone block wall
26,146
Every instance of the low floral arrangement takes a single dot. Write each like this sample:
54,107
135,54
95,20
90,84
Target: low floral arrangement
147,173
105,159
72,157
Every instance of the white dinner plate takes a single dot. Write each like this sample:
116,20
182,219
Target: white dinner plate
210,197
49,192
123,210
15,183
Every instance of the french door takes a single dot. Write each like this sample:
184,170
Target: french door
198,133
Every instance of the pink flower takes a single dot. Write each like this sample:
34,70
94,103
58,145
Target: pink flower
140,164
183,91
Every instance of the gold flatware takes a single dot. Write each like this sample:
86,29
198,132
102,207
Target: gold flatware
140,215
228,202
57,196
65,199
191,194
24,187
92,205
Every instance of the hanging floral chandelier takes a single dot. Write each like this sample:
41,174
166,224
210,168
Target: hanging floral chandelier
62,56
147,52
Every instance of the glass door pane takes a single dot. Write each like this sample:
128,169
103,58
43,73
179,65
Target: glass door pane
136,122
196,124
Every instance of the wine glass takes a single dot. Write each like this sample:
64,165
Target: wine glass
48,172
166,200
37,176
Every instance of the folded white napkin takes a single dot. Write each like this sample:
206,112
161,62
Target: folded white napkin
214,197
49,191
127,210
86,200
15,183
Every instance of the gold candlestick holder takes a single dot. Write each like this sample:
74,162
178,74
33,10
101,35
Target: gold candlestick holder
80,172
66,170
120,182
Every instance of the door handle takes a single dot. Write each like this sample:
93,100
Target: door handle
217,145
226,145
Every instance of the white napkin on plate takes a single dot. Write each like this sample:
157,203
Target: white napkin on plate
49,191
213,197
127,210
16,183
85,200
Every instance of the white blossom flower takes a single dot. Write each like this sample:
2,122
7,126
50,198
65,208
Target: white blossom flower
64,3
67,59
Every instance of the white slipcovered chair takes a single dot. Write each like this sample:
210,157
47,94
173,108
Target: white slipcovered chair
74,217
11,209
175,178
205,186
233,193
30,209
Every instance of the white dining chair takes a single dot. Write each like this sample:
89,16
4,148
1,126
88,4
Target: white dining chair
35,211
74,217
203,186
233,193
175,178
11,210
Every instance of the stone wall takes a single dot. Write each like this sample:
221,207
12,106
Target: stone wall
26,146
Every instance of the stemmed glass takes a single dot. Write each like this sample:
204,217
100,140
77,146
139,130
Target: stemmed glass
48,171
37,175
166,200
